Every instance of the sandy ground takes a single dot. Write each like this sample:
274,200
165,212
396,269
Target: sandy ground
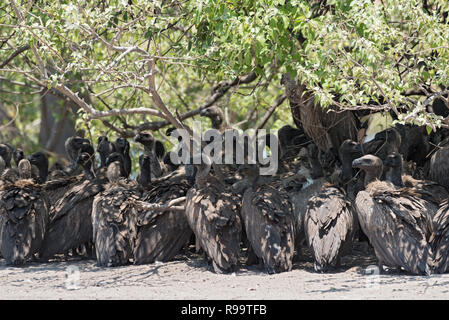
190,277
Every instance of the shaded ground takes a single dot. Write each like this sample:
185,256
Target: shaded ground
190,277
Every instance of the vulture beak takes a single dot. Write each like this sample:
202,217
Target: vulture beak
357,163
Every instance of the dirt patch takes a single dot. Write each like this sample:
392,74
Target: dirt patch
191,277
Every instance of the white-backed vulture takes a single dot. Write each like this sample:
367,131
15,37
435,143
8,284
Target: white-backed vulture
122,146
114,216
104,148
431,192
440,239
24,212
149,144
71,209
395,221
439,166
269,221
212,212
329,227
162,234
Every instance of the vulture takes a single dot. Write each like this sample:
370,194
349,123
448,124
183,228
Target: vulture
327,128
431,192
24,210
74,146
114,216
40,161
70,213
385,142
159,149
6,154
269,221
329,218
396,221
104,148
415,143
161,234
148,142
440,239
439,166
212,212
18,155
215,114
329,226
306,183
122,147
291,140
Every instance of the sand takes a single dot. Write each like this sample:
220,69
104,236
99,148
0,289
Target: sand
191,277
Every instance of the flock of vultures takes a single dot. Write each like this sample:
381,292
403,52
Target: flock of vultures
329,192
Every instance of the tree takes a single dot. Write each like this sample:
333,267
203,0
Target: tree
137,65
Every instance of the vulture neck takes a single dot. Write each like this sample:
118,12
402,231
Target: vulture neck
395,176
202,175
317,169
145,176
88,171
43,172
346,166
217,122
372,174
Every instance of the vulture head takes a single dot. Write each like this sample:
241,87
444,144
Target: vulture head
200,167
104,148
391,136
348,151
24,167
393,160
394,163
159,149
2,165
372,166
122,145
6,154
215,115
313,153
86,161
250,172
78,142
18,155
116,168
40,160
146,139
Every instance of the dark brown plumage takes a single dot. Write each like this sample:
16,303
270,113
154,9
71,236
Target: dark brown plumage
70,212
291,140
149,143
162,234
329,226
24,210
104,148
431,192
122,146
114,218
215,114
440,239
73,147
212,212
269,221
439,166
395,221
6,154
